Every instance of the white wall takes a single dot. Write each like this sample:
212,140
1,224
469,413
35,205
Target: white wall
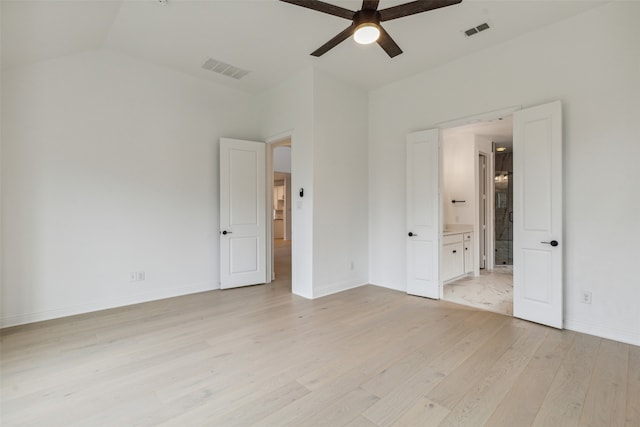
109,166
282,159
591,63
340,226
327,121
458,177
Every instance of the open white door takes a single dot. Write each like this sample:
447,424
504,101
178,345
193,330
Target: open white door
537,209
242,213
423,213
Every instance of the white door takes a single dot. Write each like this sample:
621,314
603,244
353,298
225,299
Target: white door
242,213
423,213
537,209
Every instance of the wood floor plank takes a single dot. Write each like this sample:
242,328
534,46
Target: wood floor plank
633,388
605,403
430,333
322,397
340,412
361,421
481,401
251,411
451,389
521,404
438,339
406,393
424,413
564,401
367,357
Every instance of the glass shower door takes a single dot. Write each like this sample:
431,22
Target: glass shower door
503,185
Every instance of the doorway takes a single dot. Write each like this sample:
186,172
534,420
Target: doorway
440,252
473,204
281,212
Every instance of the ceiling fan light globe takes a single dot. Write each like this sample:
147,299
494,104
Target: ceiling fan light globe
366,34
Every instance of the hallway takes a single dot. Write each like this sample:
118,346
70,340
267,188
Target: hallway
282,263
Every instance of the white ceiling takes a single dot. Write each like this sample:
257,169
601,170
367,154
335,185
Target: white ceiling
270,38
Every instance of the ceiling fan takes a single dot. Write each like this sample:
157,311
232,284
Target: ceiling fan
365,26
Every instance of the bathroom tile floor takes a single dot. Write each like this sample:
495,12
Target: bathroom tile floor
492,290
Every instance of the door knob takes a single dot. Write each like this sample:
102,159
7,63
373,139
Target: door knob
552,243
412,234
225,232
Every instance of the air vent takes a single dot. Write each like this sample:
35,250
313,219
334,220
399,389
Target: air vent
475,30
224,69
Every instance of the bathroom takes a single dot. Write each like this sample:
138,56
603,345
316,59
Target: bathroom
477,215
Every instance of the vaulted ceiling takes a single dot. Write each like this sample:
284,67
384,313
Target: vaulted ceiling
269,38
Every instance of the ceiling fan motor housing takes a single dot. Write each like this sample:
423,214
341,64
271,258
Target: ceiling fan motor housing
366,17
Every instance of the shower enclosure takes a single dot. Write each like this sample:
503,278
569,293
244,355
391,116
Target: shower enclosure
503,208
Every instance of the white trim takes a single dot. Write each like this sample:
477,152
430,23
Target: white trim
273,142
92,306
628,337
280,137
337,287
489,214
478,118
270,273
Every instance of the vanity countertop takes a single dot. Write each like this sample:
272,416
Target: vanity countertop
450,229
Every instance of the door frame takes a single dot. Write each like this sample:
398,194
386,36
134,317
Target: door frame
477,118
281,139
487,212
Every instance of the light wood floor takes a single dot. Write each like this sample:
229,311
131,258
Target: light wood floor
261,356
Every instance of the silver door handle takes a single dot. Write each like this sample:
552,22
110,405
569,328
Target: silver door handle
552,243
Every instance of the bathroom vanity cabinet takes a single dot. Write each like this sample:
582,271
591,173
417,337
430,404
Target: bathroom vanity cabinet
457,255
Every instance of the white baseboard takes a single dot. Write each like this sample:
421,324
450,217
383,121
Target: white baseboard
89,307
337,287
628,337
392,287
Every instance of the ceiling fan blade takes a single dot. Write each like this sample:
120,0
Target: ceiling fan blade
414,7
370,4
321,6
345,34
386,42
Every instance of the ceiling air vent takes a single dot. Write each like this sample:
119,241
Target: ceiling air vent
475,30
224,68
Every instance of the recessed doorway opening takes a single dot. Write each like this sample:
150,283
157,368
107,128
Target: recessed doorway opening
281,213
477,211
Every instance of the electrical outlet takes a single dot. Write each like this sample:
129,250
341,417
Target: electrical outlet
137,276
585,297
